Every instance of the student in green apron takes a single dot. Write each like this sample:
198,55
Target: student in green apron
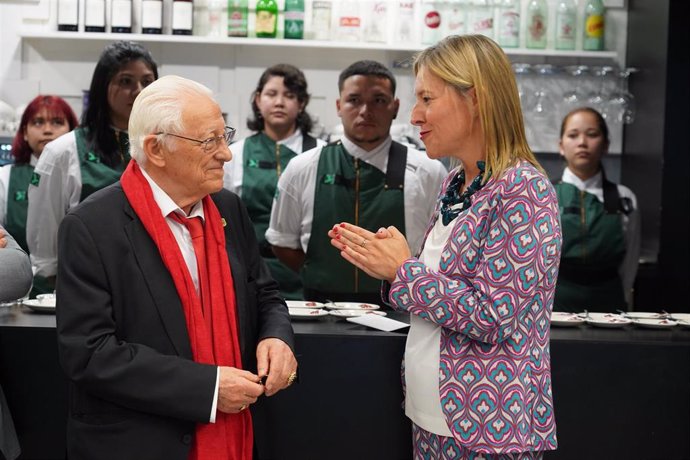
365,177
282,126
89,158
599,221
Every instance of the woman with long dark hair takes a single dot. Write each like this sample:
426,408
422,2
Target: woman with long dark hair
91,157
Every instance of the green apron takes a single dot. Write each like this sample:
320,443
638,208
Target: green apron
349,190
94,174
264,161
18,203
592,251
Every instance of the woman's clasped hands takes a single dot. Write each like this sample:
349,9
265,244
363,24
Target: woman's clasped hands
378,254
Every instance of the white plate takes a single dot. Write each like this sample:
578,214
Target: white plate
654,323
560,318
353,313
37,305
352,306
682,318
607,320
644,315
306,313
304,304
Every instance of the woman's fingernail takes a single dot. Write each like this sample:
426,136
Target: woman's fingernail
335,229
342,225
337,237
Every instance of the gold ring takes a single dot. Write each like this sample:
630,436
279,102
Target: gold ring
243,407
364,242
292,378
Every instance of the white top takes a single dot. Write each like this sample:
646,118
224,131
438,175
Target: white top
58,191
184,241
234,170
631,226
422,351
5,185
293,207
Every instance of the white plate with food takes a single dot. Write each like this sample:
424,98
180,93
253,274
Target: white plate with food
352,313
645,315
607,320
352,306
560,318
306,313
304,304
683,319
43,306
654,323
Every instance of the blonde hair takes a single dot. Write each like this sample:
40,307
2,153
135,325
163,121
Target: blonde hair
475,61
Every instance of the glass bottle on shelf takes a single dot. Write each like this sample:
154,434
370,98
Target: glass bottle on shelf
266,19
182,17
238,15
216,15
481,18
537,17
376,22
321,19
594,26
431,22
94,16
68,15
566,25
404,24
349,24
121,16
152,16
294,19
454,18
509,23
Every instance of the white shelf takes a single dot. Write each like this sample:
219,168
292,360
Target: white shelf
242,41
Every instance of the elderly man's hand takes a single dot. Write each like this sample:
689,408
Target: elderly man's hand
275,359
237,389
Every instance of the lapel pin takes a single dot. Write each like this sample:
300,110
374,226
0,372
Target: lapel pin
222,220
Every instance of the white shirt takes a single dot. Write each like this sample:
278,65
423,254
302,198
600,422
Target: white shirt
5,172
293,208
234,169
184,241
631,226
422,351
58,191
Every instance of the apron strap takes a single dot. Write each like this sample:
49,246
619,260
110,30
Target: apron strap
397,161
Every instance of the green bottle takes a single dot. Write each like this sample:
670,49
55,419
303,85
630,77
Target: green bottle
266,18
238,12
593,39
294,19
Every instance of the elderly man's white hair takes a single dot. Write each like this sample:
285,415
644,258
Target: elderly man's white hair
158,108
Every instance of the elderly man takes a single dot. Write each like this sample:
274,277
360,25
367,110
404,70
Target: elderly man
365,178
15,268
165,307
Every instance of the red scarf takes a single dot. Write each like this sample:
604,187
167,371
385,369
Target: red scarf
231,436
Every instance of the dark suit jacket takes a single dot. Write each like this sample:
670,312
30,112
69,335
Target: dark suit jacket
135,392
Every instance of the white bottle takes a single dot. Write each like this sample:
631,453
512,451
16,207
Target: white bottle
509,23
321,19
121,16
349,25
454,18
404,24
481,18
566,25
431,22
94,16
376,22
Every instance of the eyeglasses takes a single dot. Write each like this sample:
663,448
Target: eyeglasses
212,144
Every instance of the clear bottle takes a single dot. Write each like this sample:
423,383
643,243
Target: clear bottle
454,18
94,16
152,16
68,15
566,25
201,18
321,19
431,25
509,23
404,31
294,19
481,18
594,26
238,18
216,15
182,17
376,22
349,22
537,17
266,19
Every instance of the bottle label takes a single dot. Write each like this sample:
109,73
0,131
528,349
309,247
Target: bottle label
537,27
482,22
68,12
349,21
121,13
95,13
294,15
265,22
237,21
182,16
432,20
151,14
454,22
594,27
510,25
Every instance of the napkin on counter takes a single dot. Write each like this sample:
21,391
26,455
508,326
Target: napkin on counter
378,322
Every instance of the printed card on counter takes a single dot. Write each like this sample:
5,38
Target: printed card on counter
378,322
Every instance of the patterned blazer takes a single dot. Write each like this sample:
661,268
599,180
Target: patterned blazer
493,296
